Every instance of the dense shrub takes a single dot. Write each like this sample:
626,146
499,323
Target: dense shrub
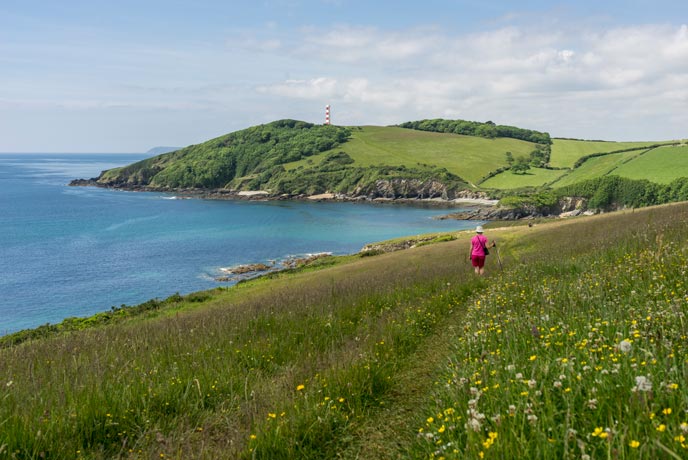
476,128
539,200
613,191
214,164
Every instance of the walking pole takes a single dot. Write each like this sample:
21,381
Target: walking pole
499,259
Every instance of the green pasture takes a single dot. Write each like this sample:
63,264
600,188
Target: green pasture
565,152
596,167
534,177
661,165
466,156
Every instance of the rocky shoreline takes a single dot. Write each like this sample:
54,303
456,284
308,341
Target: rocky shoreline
463,198
476,205
248,271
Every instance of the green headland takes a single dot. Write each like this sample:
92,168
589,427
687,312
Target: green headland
428,159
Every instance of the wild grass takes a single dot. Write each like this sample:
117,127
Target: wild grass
400,355
199,383
578,356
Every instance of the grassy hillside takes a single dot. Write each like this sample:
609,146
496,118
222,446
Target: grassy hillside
598,166
576,348
466,156
565,152
661,165
421,159
656,164
534,177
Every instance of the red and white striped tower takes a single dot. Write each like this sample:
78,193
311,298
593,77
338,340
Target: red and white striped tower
327,114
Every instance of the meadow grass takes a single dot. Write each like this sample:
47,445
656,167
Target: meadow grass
469,157
534,177
565,152
201,383
401,355
578,356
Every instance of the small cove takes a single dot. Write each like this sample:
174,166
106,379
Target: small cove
75,251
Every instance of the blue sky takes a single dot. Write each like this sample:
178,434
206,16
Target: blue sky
104,76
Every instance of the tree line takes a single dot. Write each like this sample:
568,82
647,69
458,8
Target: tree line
486,129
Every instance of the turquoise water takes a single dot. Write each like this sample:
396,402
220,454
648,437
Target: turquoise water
74,251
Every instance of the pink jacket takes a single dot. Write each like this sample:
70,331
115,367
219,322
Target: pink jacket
477,243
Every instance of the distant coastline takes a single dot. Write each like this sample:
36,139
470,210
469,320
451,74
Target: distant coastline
464,199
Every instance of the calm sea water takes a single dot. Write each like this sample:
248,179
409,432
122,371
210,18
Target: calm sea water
74,251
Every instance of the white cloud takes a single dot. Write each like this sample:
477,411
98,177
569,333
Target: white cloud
313,89
566,78
573,80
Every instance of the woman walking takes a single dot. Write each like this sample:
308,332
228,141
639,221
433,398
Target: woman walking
479,250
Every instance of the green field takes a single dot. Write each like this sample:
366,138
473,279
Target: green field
534,177
466,156
474,157
575,349
596,167
565,152
660,165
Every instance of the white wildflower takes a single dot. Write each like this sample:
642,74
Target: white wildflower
519,376
473,424
510,368
512,409
532,383
9,384
557,384
642,383
625,346
592,403
532,419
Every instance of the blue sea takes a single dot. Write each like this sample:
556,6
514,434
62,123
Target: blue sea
75,251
